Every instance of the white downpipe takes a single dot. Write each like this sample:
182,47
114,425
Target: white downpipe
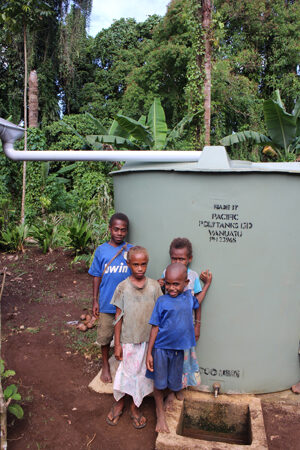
97,155
213,158
10,132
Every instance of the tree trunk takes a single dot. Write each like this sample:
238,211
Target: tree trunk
206,24
33,100
25,127
3,425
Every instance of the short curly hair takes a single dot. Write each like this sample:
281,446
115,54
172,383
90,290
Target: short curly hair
182,243
119,216
136,249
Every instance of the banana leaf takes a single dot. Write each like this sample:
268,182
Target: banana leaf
243,136
157,124
135,129
116,130
142,120
115,141
280,124
179,128
94,142
100,128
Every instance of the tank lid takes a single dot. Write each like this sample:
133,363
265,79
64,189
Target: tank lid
212,159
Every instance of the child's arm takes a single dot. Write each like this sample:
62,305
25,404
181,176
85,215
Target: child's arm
206,277
95,307
197,322
118,327
149,360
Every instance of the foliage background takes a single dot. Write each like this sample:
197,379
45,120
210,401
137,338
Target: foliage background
123,68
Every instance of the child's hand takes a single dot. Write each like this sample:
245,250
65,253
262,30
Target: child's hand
96,309
161,282
206,277
118,352
149,362
197,331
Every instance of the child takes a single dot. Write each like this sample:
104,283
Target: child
109,268
172,332
181,252
134,299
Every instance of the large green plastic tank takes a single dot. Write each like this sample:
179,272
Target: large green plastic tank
243,220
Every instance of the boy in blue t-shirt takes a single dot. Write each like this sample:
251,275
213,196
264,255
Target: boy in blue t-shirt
172,332
181,251
109,268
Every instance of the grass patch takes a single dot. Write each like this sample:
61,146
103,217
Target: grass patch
36,300
83,342
32,330
84,302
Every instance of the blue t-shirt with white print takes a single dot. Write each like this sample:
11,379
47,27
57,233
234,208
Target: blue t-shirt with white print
114,274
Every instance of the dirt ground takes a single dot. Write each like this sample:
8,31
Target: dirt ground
54,364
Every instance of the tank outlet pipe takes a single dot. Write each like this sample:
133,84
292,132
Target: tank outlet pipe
216,389
9,133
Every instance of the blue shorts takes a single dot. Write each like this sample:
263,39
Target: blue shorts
168,367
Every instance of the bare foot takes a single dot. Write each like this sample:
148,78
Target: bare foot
105,376
296,388
161,424
180,395
168,404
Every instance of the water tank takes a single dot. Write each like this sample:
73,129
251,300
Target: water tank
243,220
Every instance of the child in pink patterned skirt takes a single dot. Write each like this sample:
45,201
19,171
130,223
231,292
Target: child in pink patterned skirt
134,299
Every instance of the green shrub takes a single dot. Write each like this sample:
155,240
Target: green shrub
80,236
13,238
46,233
10,393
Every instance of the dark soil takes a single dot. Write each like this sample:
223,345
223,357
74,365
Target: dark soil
282,423
54,363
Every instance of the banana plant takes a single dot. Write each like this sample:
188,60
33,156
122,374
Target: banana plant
283,137
149,133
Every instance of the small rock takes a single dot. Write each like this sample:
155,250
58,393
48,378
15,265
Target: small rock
276,436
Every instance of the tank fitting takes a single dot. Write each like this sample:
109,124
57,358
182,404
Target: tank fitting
216,389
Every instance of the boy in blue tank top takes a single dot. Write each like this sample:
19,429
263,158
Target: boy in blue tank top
109,268
172,332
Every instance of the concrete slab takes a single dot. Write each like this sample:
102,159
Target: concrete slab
105,388
172,440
